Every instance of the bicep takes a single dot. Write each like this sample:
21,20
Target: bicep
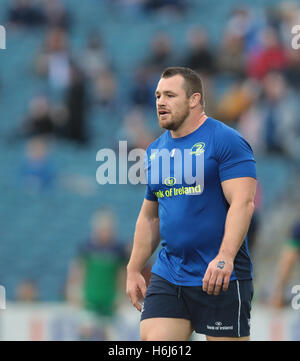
149,209
239,189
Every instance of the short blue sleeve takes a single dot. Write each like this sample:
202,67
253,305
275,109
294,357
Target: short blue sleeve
234,154
148,194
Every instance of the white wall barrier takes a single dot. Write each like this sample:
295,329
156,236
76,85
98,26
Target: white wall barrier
55,321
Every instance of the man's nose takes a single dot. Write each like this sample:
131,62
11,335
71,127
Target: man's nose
161,101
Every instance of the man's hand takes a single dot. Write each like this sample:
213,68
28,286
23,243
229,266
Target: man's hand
136,288
217,274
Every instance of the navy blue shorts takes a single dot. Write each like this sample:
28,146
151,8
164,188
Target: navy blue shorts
224,315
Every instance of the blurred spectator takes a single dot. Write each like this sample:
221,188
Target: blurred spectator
26,13
56,14
272,56
235,101
231,58
37,171
53,61
67,85
239,21
210,97
273,18
245,28
134,130
199,56
161,53
146,77
289,16
177,7
272,124
143,88
76,104
105,89
127,7
292,70
40,120
27,291
289,256
97,270
94,58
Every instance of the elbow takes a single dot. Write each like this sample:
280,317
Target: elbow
251,208
246,204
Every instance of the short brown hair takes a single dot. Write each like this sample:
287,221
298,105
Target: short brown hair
193,82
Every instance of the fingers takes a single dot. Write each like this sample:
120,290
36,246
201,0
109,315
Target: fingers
218,285
226,282
133,295
136,294
213,283
143,289
137,305
206,279
216,278
134,299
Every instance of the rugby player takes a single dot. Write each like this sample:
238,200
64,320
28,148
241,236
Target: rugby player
202,278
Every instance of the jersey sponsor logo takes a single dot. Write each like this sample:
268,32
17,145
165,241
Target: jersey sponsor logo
173,191
198,148
170,181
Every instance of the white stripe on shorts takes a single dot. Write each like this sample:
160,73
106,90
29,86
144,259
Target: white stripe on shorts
239,311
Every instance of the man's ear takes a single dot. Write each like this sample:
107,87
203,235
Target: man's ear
195,100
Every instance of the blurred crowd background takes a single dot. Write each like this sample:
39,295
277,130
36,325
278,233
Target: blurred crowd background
79,76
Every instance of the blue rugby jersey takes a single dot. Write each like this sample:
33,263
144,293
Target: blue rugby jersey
192,215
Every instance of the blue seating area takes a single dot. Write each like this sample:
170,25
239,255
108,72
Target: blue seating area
41,232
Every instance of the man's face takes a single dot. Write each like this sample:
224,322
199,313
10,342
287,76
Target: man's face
172,104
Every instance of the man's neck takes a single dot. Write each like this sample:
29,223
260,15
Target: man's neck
192,123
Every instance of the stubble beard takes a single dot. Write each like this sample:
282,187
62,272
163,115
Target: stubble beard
176,120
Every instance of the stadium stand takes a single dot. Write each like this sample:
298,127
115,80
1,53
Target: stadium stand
41,230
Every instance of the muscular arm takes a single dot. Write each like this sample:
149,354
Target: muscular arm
239,193
146,237
146,240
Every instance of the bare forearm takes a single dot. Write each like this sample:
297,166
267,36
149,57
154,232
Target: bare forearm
287,262
146,240
236,227
239,193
